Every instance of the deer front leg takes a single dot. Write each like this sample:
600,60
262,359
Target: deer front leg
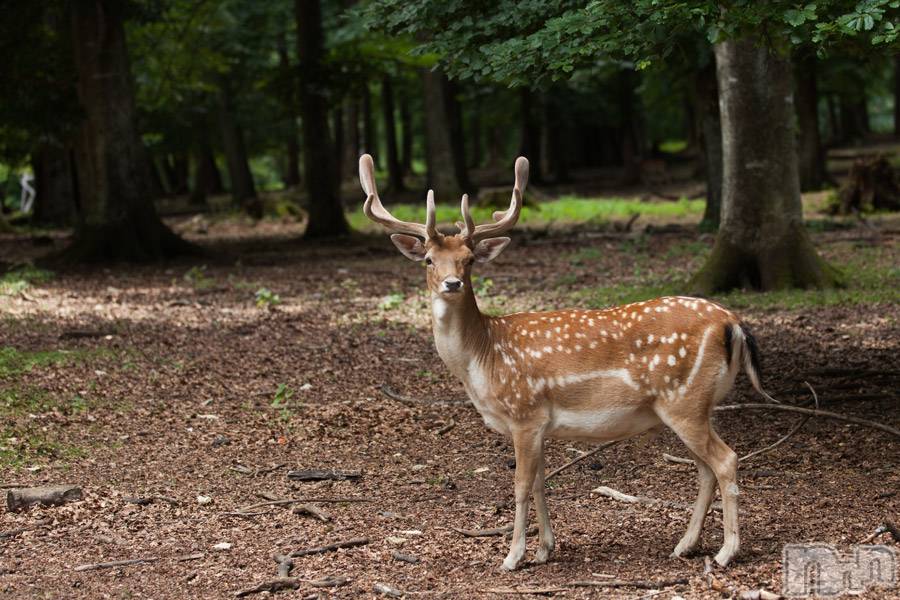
545,530
528,445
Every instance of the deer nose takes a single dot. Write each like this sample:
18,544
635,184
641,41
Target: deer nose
452,284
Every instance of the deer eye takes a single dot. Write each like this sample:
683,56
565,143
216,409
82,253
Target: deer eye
428,260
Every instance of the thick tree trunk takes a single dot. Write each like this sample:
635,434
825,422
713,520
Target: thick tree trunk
326,216
291,174
706,104
761,243
530,127
117,217
406,135
337,125
54,202
810,153
395,170
457,133
630,147
243,190
443,174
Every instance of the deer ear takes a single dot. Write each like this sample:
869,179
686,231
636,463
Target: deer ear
411,247
489,249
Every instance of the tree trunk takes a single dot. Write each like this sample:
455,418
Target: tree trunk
207,179
243,190
443,175
54,202
761,243
854,116
117,217
326,216
395,170
810,153
530,124
370,137
350,144
475,141
897,96
630,147
557,128
292,168
706,105
406,135
457,139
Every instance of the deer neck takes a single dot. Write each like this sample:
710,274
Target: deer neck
460,331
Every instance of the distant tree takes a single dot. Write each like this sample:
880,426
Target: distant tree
117,218
326,215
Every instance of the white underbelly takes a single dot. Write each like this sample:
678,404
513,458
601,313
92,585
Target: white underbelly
600,423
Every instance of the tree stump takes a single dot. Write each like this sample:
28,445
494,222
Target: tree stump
873,185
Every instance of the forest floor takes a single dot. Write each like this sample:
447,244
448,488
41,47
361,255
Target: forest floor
188,388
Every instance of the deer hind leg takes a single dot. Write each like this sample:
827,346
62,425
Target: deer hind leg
545,530
704,498
709,448
529,447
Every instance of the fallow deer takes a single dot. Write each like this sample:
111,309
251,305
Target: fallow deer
595,375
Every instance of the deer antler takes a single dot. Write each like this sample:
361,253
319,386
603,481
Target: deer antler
378,213
504,220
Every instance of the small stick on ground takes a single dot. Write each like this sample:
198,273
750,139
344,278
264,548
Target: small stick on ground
639,584
387,590
779,441
446,427
525,590
629,499
331,547
483,532
407,558
273,585
814,412
115,563
309,509
285,565
319,475
580,458
393,395
245,511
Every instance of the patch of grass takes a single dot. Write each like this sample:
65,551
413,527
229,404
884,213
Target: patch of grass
585,255
673,146
14,362
19,280
871,278
198,279
567,209
19,447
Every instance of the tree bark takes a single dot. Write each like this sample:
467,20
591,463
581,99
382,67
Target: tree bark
706,105
395,170
54,202
243,190
350,144
117,218
810,153
761,243
897,96
406,135
207,178
370,137
292,168
630,148
444,173
530,127
326,216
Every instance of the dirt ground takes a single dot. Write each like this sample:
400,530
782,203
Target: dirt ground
178,386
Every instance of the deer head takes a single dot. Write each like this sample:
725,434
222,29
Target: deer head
448,258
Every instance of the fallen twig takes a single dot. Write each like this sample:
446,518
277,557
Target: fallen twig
273,585
75,334
352,543
245,511
115,563
309,509
407,558
814,412
387,590
639,584
623,497
446,427
779,441
319,475
483,532
50,495
524,590
393,395
580,458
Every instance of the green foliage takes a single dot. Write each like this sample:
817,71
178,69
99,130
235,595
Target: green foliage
266,298
15,362
283,394
391,301
20,279
482,285
198,279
